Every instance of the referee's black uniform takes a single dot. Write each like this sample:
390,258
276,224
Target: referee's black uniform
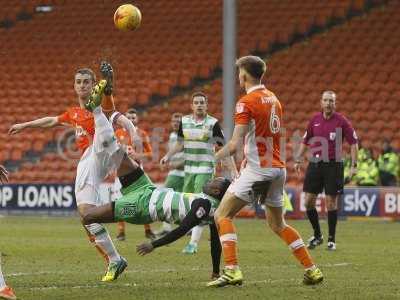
325,172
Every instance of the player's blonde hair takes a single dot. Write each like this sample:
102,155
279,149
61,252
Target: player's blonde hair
253,65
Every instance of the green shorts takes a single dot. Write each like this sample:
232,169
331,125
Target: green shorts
194,182
133,206
174,182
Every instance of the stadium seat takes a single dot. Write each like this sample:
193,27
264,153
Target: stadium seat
339,59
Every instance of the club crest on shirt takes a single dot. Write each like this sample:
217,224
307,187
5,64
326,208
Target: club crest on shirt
332,136
129,210
239,107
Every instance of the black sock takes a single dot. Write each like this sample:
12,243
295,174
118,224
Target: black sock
332,221
312,215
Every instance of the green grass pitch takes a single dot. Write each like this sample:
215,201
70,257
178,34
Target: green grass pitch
50,258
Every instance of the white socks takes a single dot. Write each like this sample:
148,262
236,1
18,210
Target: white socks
166,226
196,234
104,137
103,240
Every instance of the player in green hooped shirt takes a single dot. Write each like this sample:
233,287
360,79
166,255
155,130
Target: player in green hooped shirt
143,203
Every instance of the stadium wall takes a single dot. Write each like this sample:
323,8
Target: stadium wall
59,199
355,202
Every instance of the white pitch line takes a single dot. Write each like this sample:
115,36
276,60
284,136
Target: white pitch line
168,270
153,284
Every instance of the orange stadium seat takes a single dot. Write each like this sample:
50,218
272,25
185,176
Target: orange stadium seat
41,83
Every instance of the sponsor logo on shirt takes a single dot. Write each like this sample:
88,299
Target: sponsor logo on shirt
129,210
239,108
332,136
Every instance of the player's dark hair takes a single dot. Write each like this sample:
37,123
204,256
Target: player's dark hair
87,71
224,186
253,65
199,94
221,183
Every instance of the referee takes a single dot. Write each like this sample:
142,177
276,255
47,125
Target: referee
325,172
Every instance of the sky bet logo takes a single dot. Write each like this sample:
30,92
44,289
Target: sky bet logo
392,203
361,202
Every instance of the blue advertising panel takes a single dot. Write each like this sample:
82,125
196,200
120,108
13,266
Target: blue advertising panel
360,202
37,197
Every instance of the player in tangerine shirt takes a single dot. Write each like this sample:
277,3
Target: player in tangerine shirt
86,187
258,122
142,153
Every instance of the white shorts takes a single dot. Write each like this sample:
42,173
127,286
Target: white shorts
241,187
109,191
91,171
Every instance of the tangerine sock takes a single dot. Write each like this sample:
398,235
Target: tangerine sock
108,103
121,227
228,238
296,244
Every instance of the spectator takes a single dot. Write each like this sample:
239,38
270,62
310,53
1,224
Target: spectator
388,165
368,173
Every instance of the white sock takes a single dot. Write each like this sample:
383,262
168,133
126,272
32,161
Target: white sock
196,234
104,131
2,281
312,268
103,240
166,226
101,122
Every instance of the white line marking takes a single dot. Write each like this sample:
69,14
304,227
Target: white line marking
168,270
153,284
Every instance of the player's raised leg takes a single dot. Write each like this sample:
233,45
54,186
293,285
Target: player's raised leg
104,145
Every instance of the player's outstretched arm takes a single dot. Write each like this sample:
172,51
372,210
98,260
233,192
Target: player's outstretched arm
239,132
46,122
200,210
176,149
215,246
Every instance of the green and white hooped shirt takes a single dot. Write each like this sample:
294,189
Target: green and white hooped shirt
199,139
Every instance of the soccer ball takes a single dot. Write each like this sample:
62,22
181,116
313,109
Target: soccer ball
127,17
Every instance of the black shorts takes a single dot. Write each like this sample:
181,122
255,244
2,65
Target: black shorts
324,176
